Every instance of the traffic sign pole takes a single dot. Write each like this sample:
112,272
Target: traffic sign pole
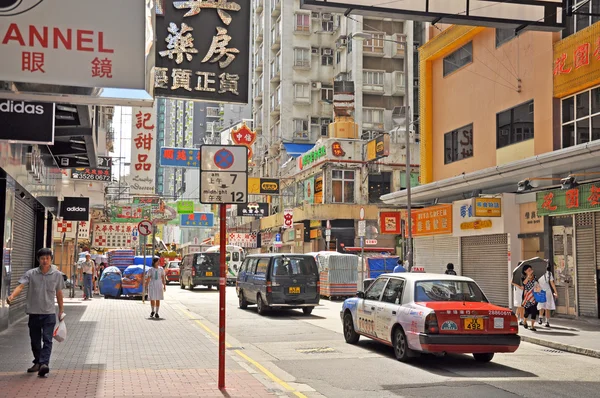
222,288
362,250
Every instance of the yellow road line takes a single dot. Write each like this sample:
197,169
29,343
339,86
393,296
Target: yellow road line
251,361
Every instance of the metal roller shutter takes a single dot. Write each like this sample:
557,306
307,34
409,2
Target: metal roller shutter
485,259
434,252
22,256
597,223
586,265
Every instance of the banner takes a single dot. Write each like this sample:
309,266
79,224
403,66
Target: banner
180,157
185,207
197,220
247,240
253,210
102,173
110,235
143,151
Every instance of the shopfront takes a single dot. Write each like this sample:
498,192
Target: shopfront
575,246
433,243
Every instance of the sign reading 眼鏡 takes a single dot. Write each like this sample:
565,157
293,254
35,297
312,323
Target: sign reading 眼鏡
203,50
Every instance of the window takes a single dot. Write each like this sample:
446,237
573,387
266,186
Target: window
326,56
327,23
448,290
235,256
581,21
459,58
327,94
325,122
514,125
342,186
338,57
379,184
300,125
302,91
581,118
302,57
262,266
393,291
350,45
374,292
375,43
458,144
504,35
302,23
372,115
293,266
373,78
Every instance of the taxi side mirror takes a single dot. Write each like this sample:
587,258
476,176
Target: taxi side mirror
360,295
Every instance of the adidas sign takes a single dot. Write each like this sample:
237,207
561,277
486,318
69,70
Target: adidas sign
10,106
77,209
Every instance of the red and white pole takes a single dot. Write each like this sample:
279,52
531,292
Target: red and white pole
222,288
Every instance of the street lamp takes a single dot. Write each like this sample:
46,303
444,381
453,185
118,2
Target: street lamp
360,36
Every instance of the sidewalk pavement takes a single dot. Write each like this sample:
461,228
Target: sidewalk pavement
113,349
579,336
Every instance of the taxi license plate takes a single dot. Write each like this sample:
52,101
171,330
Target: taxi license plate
209,274
294,290
474,324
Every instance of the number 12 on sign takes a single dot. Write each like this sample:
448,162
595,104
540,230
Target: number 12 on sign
222,187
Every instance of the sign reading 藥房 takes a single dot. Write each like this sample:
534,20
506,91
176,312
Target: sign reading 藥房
203,50
27,122
224,174
74,42
580,199
143,151
101,173
180,157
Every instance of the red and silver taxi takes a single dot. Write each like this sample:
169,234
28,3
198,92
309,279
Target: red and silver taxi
172,271
430,313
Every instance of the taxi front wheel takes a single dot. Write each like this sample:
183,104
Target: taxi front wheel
349,333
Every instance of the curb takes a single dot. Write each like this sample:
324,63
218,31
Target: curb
563,347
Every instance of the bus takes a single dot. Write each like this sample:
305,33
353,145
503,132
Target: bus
234,257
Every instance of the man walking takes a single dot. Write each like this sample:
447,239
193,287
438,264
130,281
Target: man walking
45,282
89,270
399,268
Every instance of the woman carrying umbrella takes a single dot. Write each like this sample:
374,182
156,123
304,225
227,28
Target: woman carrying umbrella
529,303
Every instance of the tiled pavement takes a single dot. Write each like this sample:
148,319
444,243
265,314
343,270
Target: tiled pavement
114,350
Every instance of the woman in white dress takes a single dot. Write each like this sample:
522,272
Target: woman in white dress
156,285
547,284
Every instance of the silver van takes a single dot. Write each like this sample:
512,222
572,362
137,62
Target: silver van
279,280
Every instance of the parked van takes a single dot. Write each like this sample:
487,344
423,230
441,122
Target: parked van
234,257
279,280
199,269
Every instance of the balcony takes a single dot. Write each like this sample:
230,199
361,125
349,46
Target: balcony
302,64
398,83
275,39
399,46
275,75
258,96
374,46
301,136
258,62
275,101
275,8
258,37
212,112
258,6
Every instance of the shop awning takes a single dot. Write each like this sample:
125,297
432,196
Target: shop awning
297,149
557,163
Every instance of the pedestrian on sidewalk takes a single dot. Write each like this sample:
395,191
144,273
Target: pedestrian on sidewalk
518,301
399,267
98,275
529,285
45,282
450,269
547,284
156,285
89,270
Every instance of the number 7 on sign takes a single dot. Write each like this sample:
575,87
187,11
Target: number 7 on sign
234,176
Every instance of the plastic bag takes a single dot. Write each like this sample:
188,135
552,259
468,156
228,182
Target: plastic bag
60,332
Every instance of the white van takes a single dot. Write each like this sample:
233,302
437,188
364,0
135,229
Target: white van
234,257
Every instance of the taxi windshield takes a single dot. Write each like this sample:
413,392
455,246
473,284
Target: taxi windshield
448,290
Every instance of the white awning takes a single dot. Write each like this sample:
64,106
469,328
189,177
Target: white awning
561,162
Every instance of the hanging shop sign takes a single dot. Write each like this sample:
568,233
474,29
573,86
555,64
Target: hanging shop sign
107,235
312,156
75,209
247,240
337,150
319,189
435,220
465,223
253,209
531,221
180,157
577,62
101,173
143,151
24,121
487,207
146,200
389,222
203,50
75,43
583,198
197,220
244,136
288,218
378,147
263,186
185,207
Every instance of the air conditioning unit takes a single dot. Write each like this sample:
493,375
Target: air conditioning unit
315,15
316,85
109,110
327,51
342,41
314,50
327,16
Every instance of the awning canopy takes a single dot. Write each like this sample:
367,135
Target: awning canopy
297,149
500,178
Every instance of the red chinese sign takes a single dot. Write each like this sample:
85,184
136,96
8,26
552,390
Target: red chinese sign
143,151
244,136
580,199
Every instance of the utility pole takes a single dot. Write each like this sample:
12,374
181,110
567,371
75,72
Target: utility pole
409,243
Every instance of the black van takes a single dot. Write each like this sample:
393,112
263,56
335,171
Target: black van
199,269
279,280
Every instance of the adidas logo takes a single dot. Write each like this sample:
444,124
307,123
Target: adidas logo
78,209
21,107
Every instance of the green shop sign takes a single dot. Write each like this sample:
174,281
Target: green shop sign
313,156
581,199
185,207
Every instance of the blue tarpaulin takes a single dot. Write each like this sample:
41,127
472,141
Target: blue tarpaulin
110,282
133,280
297,149
381,265
139,260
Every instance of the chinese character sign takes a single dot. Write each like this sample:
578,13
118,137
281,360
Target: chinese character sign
102,173
465,221
247,240
115,235
180,157
75,43
143,151
202,50
580,199
435,220
197,220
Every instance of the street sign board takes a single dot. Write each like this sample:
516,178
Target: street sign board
197,220
362,228
327,232
145,227
288,218
224,174
362,213
371,242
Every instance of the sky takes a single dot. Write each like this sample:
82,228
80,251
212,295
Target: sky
122,141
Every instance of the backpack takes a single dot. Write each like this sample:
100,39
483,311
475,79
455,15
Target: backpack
450,272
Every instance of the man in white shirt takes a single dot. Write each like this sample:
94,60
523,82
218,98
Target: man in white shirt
88,269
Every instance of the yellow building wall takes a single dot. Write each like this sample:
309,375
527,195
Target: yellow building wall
515,152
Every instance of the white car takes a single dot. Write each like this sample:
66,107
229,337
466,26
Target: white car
432,313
